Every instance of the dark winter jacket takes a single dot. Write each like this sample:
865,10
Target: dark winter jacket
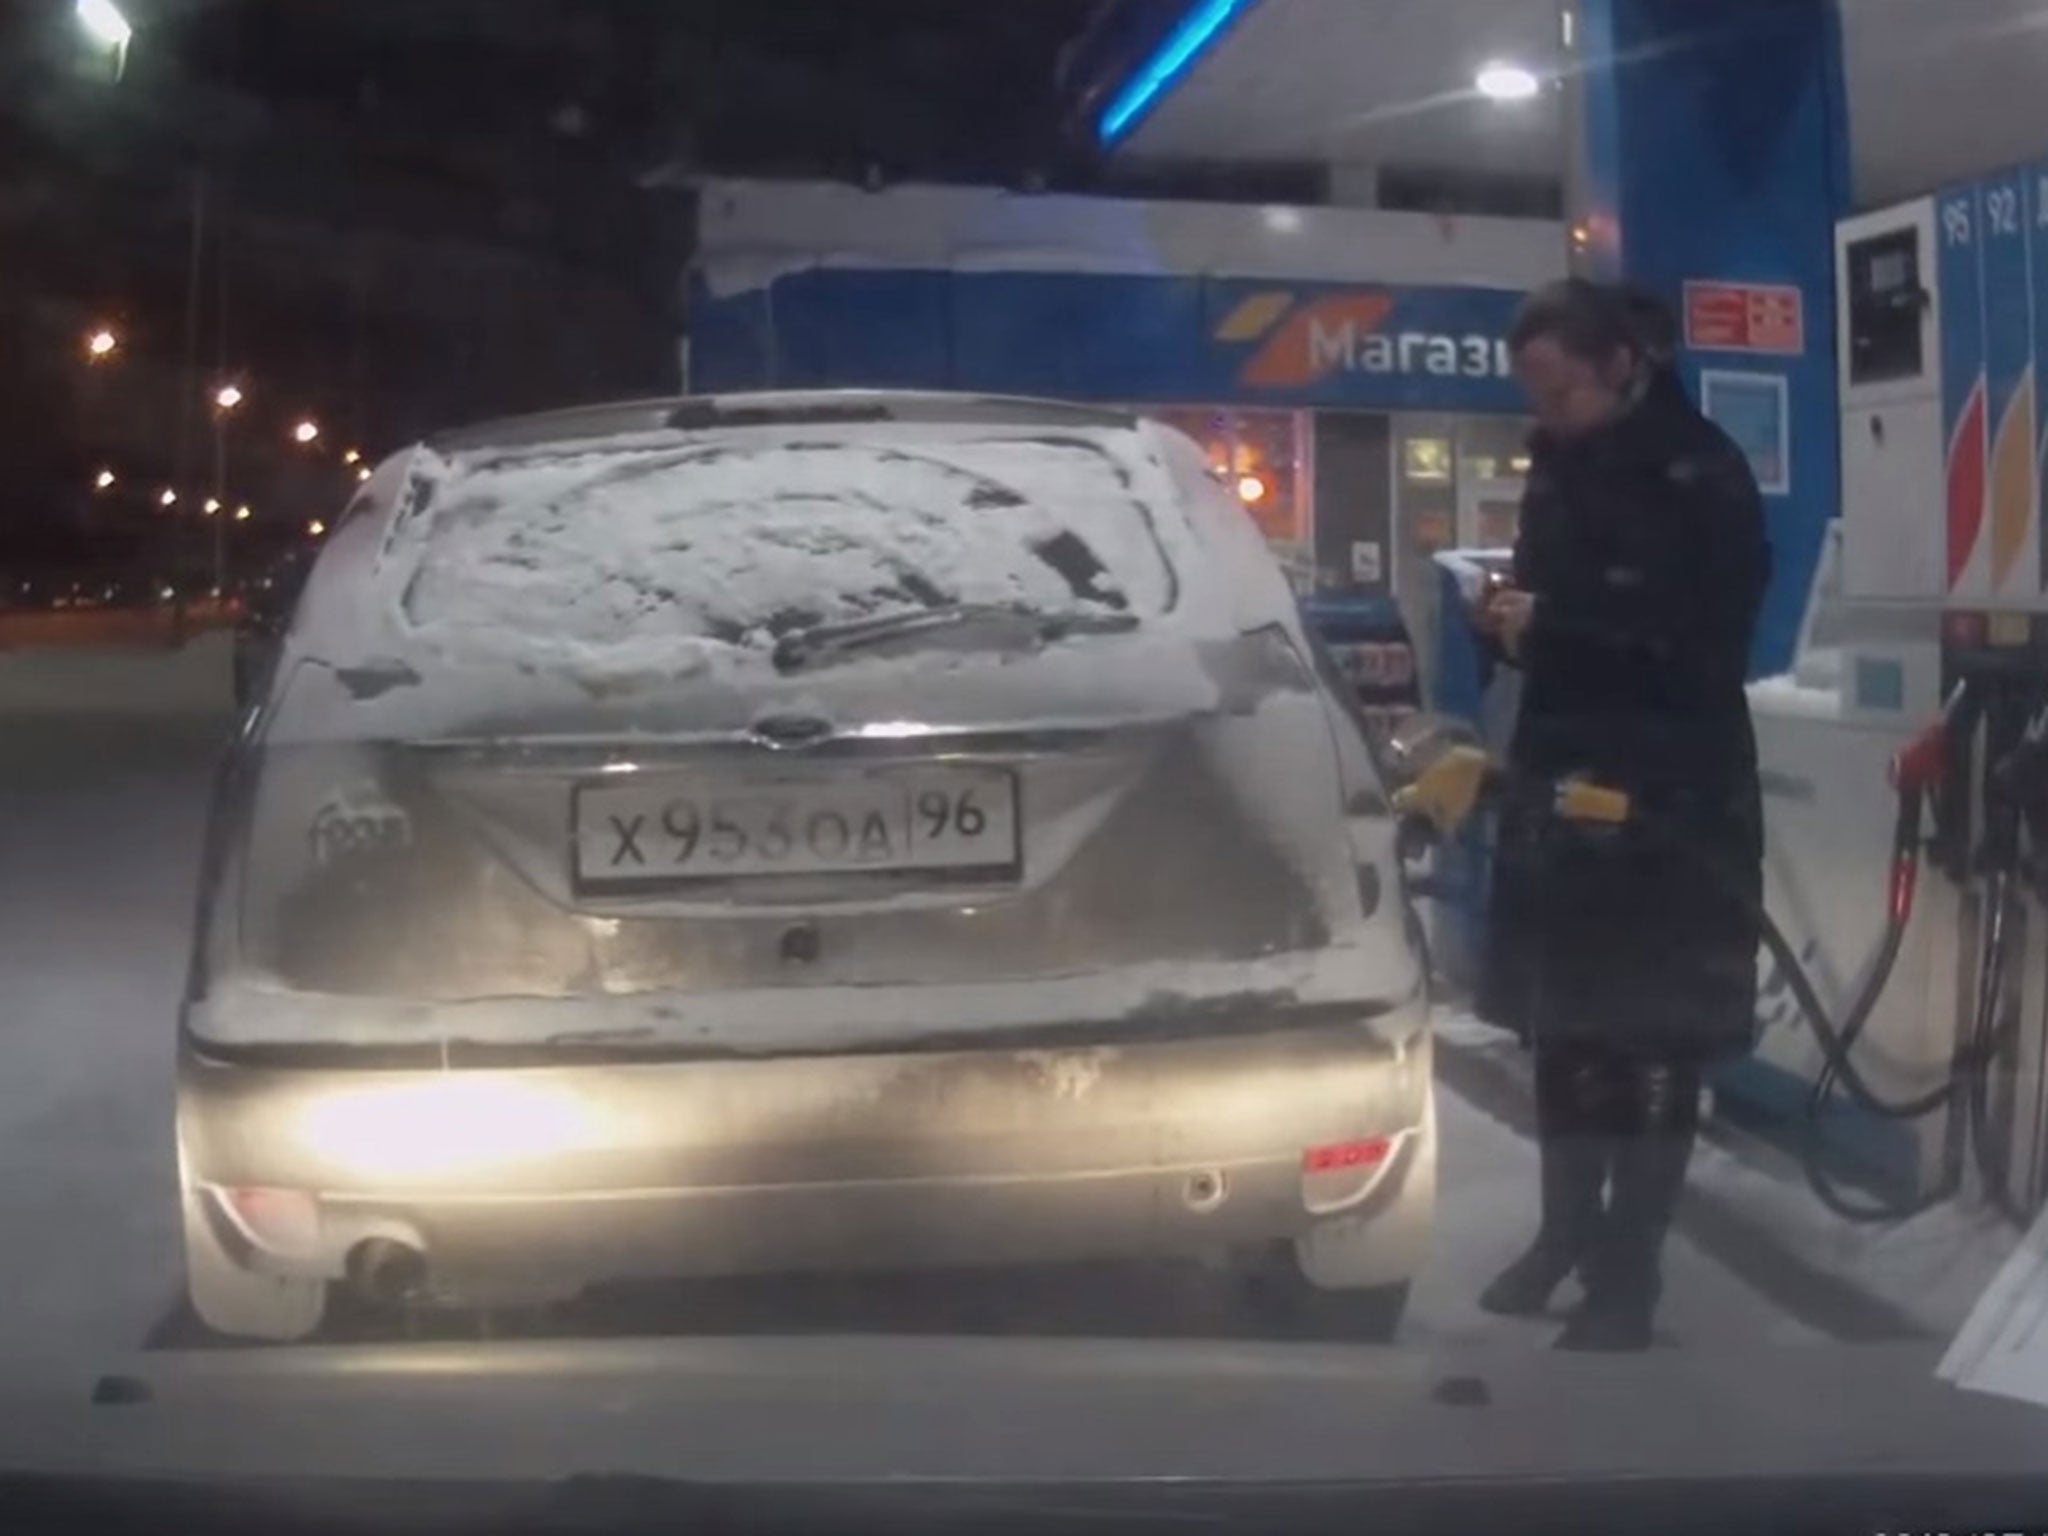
1644,546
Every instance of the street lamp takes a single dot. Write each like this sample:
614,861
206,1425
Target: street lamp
101,344
105,25
351,456
316,527
167,497
362,471
103,19
242,514
306,431
211,506
225,400
103,481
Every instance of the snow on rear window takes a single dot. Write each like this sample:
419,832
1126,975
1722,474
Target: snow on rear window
623,549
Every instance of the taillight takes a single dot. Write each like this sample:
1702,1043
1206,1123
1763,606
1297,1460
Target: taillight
1342,1173
281,1222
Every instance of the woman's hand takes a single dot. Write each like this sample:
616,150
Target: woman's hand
1479,606
1508,615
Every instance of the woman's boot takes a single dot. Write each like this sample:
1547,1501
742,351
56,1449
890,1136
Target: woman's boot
1623,1281
1570,1094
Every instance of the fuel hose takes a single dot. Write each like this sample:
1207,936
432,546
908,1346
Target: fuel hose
1965,1087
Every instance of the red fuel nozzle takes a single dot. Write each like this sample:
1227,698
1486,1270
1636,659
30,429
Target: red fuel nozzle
1922,763
1917,770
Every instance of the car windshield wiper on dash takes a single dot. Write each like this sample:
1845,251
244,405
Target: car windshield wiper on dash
801,648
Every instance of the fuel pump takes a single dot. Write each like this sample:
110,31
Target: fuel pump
1937,607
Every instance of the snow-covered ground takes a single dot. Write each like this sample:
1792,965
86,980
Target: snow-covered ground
1488,1189
1930,1270
101,825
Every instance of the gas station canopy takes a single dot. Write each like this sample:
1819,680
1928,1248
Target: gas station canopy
1352,83
1367,87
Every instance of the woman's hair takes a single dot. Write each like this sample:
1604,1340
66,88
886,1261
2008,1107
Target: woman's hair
1589,320
1655,327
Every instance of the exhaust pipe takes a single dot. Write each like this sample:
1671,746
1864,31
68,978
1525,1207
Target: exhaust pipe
385,1271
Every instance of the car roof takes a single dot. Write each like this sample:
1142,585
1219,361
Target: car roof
774,408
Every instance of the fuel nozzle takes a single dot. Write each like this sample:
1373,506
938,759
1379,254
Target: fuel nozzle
1444,794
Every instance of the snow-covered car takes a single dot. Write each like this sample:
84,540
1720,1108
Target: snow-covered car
778,832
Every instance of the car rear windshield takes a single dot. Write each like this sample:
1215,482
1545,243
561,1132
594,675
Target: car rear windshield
744,539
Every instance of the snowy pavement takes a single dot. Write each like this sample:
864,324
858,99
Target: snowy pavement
95,892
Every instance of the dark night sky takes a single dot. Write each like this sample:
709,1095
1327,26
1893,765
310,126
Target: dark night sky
422,211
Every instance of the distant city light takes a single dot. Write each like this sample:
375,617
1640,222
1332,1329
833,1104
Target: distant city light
1498,80
228,396
101,344
103,19
211,506
350,456
306,431
167,497
242,514
316,527
103,480
1251,490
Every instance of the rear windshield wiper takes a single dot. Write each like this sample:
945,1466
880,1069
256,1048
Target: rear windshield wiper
802,647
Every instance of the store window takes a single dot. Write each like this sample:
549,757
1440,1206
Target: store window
1457,485
1262,457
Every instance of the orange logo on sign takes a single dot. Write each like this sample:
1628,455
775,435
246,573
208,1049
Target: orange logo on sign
1316,340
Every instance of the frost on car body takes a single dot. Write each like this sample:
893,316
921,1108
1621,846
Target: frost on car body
700,837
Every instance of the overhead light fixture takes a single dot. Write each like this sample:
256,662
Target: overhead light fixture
167,497
1175,56
228,396
103,19
1251,490
306,431
103,479
241,514
1499,80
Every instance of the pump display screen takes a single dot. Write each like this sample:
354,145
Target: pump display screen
1885,303
1889,271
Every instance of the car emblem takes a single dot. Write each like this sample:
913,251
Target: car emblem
791,730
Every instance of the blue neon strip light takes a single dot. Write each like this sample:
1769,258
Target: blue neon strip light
1175,56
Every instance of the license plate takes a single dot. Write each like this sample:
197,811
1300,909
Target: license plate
670,829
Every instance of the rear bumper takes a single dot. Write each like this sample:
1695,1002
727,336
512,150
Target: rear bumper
536,1181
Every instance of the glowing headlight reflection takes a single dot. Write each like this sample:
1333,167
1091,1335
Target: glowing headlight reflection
448,1127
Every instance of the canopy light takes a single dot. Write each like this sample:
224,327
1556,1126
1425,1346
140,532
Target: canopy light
1500,81
1175,57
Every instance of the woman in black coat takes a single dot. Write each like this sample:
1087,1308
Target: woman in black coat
1638,574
